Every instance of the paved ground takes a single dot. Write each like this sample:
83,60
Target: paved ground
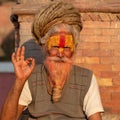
108,116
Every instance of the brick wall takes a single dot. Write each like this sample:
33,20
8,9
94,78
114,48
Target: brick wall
98,50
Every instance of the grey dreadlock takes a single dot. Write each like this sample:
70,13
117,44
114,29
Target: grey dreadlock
52,15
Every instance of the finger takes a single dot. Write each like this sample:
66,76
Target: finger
17,54
32,64
29,61
22,53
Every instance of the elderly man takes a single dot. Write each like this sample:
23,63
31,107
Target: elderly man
56,89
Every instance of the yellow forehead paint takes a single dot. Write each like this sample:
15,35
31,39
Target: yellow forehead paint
61,40
61,49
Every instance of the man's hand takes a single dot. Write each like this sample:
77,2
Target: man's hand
23,68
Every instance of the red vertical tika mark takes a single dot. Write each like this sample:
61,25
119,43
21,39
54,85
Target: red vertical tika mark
62,40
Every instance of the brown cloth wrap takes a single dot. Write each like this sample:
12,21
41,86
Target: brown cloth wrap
52,14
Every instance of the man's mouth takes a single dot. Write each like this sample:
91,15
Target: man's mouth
57,59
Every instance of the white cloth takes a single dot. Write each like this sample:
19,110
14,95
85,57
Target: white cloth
92,102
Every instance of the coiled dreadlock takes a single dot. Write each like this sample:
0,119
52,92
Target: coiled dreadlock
52,14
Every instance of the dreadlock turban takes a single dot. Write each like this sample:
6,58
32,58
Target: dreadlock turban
54,17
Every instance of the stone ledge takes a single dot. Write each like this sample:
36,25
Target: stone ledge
84,6
109,116
89,13
6,67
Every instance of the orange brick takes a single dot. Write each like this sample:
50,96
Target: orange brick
109,74
97,73
117,31
105,82
79,60
116,53
88,66
96,24
106,95
115,110
109,46
95,38
110,89
101,67
115,88
110,60
85,45
116,81
92,60
98,52
115,39
116,96
107,104
91,31
116,67
89,24
111,103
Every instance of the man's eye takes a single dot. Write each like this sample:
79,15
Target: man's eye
66,47
55,46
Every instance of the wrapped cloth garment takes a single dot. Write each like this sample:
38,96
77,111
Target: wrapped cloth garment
54,17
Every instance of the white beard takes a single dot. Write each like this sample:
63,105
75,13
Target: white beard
58,71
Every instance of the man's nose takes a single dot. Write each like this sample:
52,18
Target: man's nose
60,52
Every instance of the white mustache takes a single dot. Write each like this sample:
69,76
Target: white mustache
58,59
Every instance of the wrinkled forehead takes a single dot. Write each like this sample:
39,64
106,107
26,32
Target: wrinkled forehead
58,29
62,31
61,39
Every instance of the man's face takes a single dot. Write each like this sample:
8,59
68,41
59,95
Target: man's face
58,62
61,45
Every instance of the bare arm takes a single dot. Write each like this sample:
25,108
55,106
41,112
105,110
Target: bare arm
11,110
96,116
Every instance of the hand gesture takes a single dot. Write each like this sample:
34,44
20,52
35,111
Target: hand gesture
23,68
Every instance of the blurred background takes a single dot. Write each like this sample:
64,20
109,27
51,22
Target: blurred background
6,30
7,39
9,34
